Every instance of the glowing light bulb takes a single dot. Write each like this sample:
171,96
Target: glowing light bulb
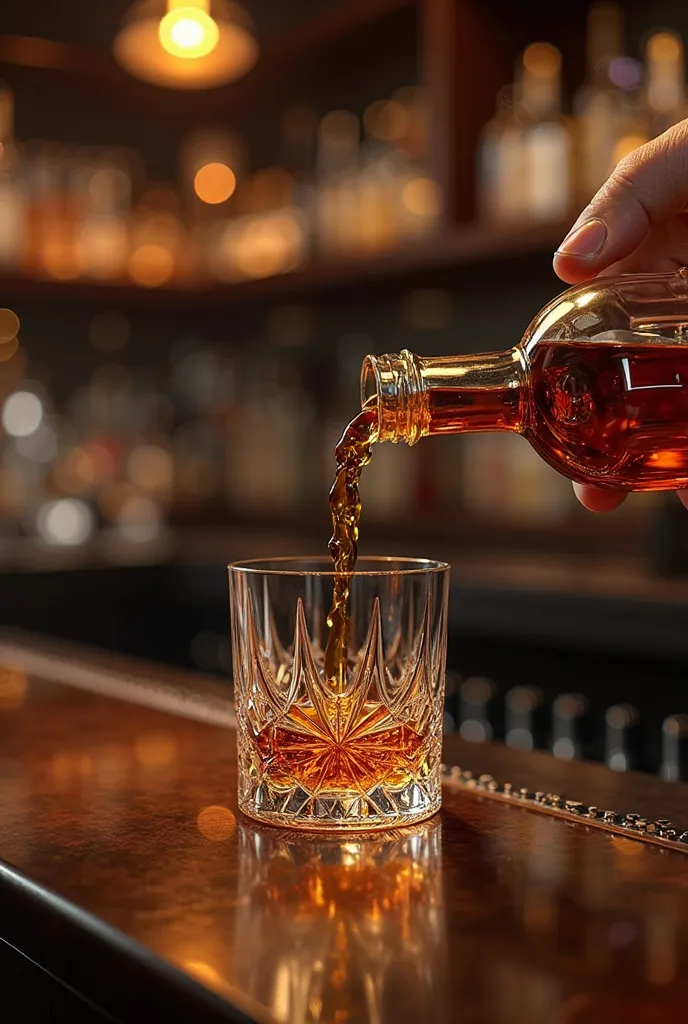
188,32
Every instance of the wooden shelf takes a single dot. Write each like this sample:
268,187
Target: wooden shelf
27,60
469,245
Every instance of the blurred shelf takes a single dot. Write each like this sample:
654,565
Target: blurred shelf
595,602
31,61
469,244
85,291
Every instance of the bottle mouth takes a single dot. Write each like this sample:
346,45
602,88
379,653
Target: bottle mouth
370,381
392,384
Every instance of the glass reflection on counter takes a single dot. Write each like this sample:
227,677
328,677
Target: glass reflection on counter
349,930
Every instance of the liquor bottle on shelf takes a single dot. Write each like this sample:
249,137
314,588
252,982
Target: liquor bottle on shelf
548,138
536,495
598,105
378,178
501,161
484,491
476,699
522,717
157,253
12,190
48,249
634,123
598,385
526,150
274,419
570,725
103,235
621,740
337,176
674,765
665,90
418,204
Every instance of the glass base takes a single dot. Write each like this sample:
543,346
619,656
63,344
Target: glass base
343,811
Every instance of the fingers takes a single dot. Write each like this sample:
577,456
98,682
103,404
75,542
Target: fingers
597,500
646,187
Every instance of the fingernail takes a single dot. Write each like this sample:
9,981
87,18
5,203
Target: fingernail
586,241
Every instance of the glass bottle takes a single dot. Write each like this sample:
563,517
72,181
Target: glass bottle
12,197
665,91
548,139
103,235
598,385
338,164
501,171
599,104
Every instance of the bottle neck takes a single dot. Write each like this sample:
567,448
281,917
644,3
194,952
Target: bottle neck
417,397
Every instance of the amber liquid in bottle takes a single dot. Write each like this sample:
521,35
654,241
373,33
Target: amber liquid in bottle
605,414
608,413
612,415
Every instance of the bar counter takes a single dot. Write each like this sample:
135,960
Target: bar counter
131,888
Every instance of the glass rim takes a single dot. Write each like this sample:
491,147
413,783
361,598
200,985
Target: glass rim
273,566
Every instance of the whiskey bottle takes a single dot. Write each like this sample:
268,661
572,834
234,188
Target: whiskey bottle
501,172
547,138
598,385
665,93
599,104
12,197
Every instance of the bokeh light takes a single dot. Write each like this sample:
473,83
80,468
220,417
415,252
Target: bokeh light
22,413
103,247
216,823
151,265
214,183
151,468
65,521
387,120
156,749
270,245
9,325
625,73
40,446
8,349
138,519
421,197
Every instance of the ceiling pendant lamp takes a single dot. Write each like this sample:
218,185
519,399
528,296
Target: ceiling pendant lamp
186,44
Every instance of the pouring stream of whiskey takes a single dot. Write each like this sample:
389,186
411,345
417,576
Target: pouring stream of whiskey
351,454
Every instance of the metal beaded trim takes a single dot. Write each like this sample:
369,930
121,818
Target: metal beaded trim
661,832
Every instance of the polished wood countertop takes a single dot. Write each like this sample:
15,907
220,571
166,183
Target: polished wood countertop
127,872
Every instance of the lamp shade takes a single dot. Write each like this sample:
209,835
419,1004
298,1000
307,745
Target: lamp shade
186,45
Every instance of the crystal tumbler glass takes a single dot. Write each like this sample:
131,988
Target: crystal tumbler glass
316,756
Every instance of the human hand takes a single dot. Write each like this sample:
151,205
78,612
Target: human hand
637,222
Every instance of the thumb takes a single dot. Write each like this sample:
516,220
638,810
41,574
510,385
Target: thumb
646,187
